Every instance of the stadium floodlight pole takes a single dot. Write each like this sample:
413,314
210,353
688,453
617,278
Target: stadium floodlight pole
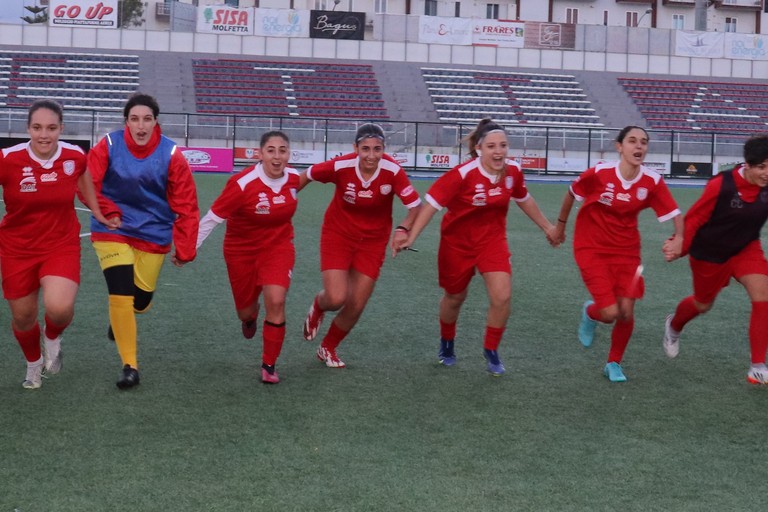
700,15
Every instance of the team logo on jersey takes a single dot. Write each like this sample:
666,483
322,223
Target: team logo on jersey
278,199
27,171
349,193
494,192
642,193
367,194
51,176
606,197
479,199
623,196
262,207
508,182
69,167
28,184
385,189
736,201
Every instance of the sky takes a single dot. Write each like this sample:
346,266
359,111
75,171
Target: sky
13,10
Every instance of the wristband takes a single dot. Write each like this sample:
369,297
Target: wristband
561,220
402,228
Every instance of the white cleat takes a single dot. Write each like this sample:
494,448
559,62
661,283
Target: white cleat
758,374
671,341
53,355
34,377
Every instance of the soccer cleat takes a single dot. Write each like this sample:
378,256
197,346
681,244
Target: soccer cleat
34,378
587,326
614,373
129,378
329,357
671,341
313,321
269,374
758,374
446,355
495,366
53,355
249,329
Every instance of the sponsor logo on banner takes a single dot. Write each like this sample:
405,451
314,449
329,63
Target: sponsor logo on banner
220,19
83,13
746,46
209,159
699,44
434,29
440,160
550,35
337,25
691,169
498,33
281,23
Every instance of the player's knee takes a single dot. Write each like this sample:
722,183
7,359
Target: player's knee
142,300
702,307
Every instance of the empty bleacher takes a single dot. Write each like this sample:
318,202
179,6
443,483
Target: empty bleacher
307,90
466,95
76,80
695,105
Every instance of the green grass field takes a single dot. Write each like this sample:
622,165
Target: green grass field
394,431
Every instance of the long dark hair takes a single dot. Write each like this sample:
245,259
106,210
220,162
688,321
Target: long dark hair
483,128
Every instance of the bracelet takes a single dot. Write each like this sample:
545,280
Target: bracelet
561,220
402,228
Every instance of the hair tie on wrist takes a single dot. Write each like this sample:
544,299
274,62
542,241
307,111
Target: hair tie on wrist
402,228
561,220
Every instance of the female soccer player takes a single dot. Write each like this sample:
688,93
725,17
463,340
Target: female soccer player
258,205
142,179
355,232
473,235
40,235
606,241
722,240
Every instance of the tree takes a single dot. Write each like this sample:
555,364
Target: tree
39,14
130,12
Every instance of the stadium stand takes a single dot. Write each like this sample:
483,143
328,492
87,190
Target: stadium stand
76,80
462,95
695,105
302,89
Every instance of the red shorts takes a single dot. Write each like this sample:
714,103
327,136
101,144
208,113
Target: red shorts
250,271
21,276
338,252
456,267
606,280
710,278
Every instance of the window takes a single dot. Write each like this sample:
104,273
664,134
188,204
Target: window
678,21
631,19
457,9
572,16
605,18
492,11
430,7
380,7
232,3
320,5
730,24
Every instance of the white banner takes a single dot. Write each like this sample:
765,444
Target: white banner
699,44
281,23
499,33
83,13
746,46
306,156
437,160
566,164
433,29
222,19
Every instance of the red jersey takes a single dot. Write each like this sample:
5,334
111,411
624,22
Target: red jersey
258,209
702,209
607,221
39,199
477,203
362,209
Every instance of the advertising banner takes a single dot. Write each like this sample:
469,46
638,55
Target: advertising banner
699,44
403,159
746,46
567,164
498,33
281,23
683,169
209,159
531,163
437,160
434,29
550,35
304,157
337,25
222,19
83,13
